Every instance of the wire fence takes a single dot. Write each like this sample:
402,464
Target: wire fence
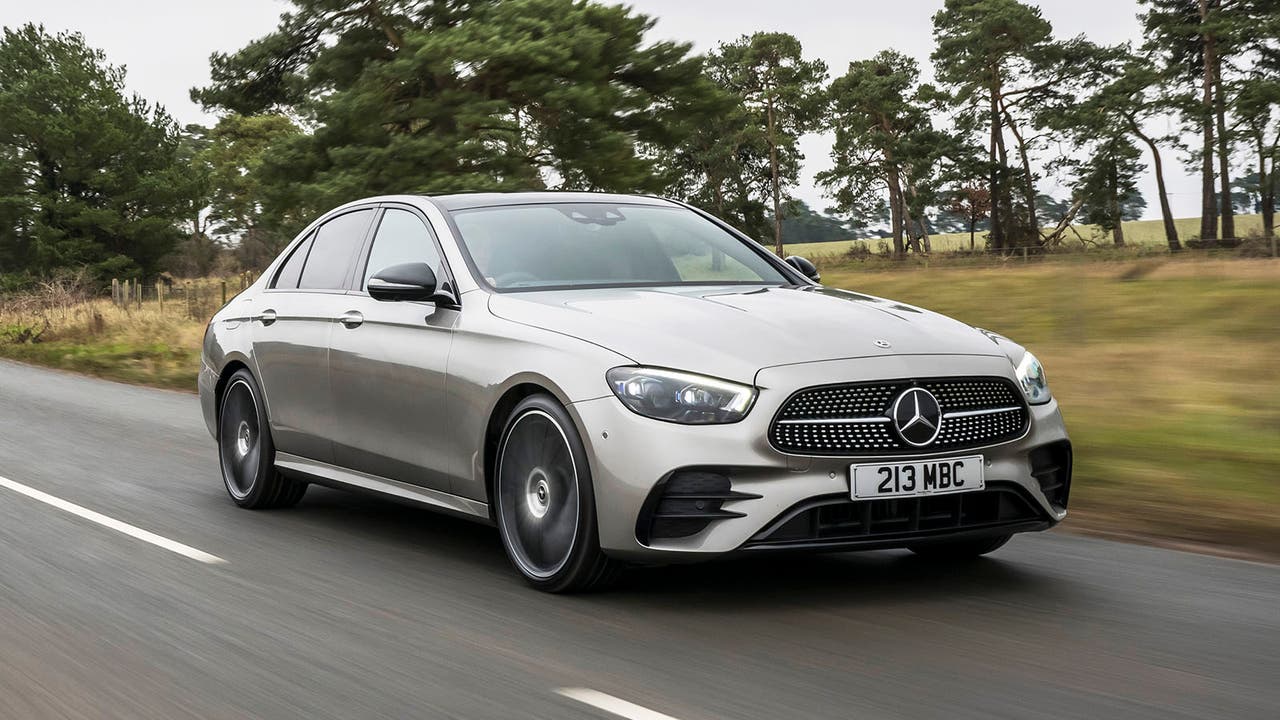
195,299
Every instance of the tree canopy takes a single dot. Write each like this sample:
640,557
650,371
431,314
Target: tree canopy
453,96
90,176
782,95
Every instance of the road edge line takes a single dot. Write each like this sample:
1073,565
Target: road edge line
111,523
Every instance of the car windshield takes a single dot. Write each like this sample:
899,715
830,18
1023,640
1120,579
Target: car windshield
569,245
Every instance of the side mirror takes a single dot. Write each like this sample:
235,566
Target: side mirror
410,281
805,267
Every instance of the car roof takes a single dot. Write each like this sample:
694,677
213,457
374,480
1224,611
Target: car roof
467,201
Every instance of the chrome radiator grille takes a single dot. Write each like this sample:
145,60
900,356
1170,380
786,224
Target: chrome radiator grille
854,418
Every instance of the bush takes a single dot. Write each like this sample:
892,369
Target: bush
858,251
1254,246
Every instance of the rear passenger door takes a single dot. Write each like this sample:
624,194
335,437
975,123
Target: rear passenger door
388,365
293,321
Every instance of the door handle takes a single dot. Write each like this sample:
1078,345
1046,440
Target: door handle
351,319
267,317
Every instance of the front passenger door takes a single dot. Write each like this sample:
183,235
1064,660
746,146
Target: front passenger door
387,366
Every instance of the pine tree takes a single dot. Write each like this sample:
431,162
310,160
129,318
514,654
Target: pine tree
92,177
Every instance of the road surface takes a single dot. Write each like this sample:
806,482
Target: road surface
353,607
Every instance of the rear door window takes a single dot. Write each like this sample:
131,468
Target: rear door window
333,251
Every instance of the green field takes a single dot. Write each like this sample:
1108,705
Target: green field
1138,233
1167,375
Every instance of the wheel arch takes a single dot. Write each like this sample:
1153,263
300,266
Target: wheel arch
231,367
497,422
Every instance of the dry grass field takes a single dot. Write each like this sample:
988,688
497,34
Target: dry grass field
145,342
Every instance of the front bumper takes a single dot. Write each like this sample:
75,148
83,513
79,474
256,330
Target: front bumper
630,454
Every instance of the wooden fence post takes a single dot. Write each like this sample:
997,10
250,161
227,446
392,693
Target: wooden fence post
224,291
160,296
115,291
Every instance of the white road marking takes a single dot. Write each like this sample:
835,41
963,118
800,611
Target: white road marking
611,704
109,522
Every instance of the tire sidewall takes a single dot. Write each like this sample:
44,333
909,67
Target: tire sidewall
585,550
267,454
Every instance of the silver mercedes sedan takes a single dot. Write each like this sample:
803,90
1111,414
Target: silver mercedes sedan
614,379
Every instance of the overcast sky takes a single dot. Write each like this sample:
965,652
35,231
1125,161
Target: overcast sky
165,44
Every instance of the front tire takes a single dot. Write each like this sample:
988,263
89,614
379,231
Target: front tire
544,501
960,549
246,453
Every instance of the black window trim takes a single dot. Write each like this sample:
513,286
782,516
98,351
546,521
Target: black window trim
310,235
362,260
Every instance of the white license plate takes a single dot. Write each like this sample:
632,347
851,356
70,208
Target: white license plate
923,477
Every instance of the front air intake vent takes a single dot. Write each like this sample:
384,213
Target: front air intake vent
686,503
838,520
1051,467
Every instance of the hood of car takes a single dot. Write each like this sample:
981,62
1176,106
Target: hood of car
733,332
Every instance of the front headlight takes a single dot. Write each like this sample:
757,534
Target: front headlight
680,397
1031,377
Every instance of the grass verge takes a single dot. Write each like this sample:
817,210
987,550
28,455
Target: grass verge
145,345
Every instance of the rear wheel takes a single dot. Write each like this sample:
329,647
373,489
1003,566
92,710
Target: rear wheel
960,549
245,451
544,500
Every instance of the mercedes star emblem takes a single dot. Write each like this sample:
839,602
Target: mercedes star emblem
917,417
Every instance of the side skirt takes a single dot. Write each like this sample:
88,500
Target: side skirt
344,479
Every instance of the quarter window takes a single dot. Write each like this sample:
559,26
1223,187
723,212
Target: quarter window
334,250
401,238
292,269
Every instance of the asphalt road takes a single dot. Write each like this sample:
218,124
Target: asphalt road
352,607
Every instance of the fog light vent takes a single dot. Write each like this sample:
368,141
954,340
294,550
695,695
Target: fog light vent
1051,467
686,503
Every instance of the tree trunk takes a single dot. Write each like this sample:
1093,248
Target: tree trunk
1005,199
912,239
1028,180
1166,214
1267,192
924,231
1208,199
895,206
1113,205
1224,154
973,226
997,226
777,182
1055,236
